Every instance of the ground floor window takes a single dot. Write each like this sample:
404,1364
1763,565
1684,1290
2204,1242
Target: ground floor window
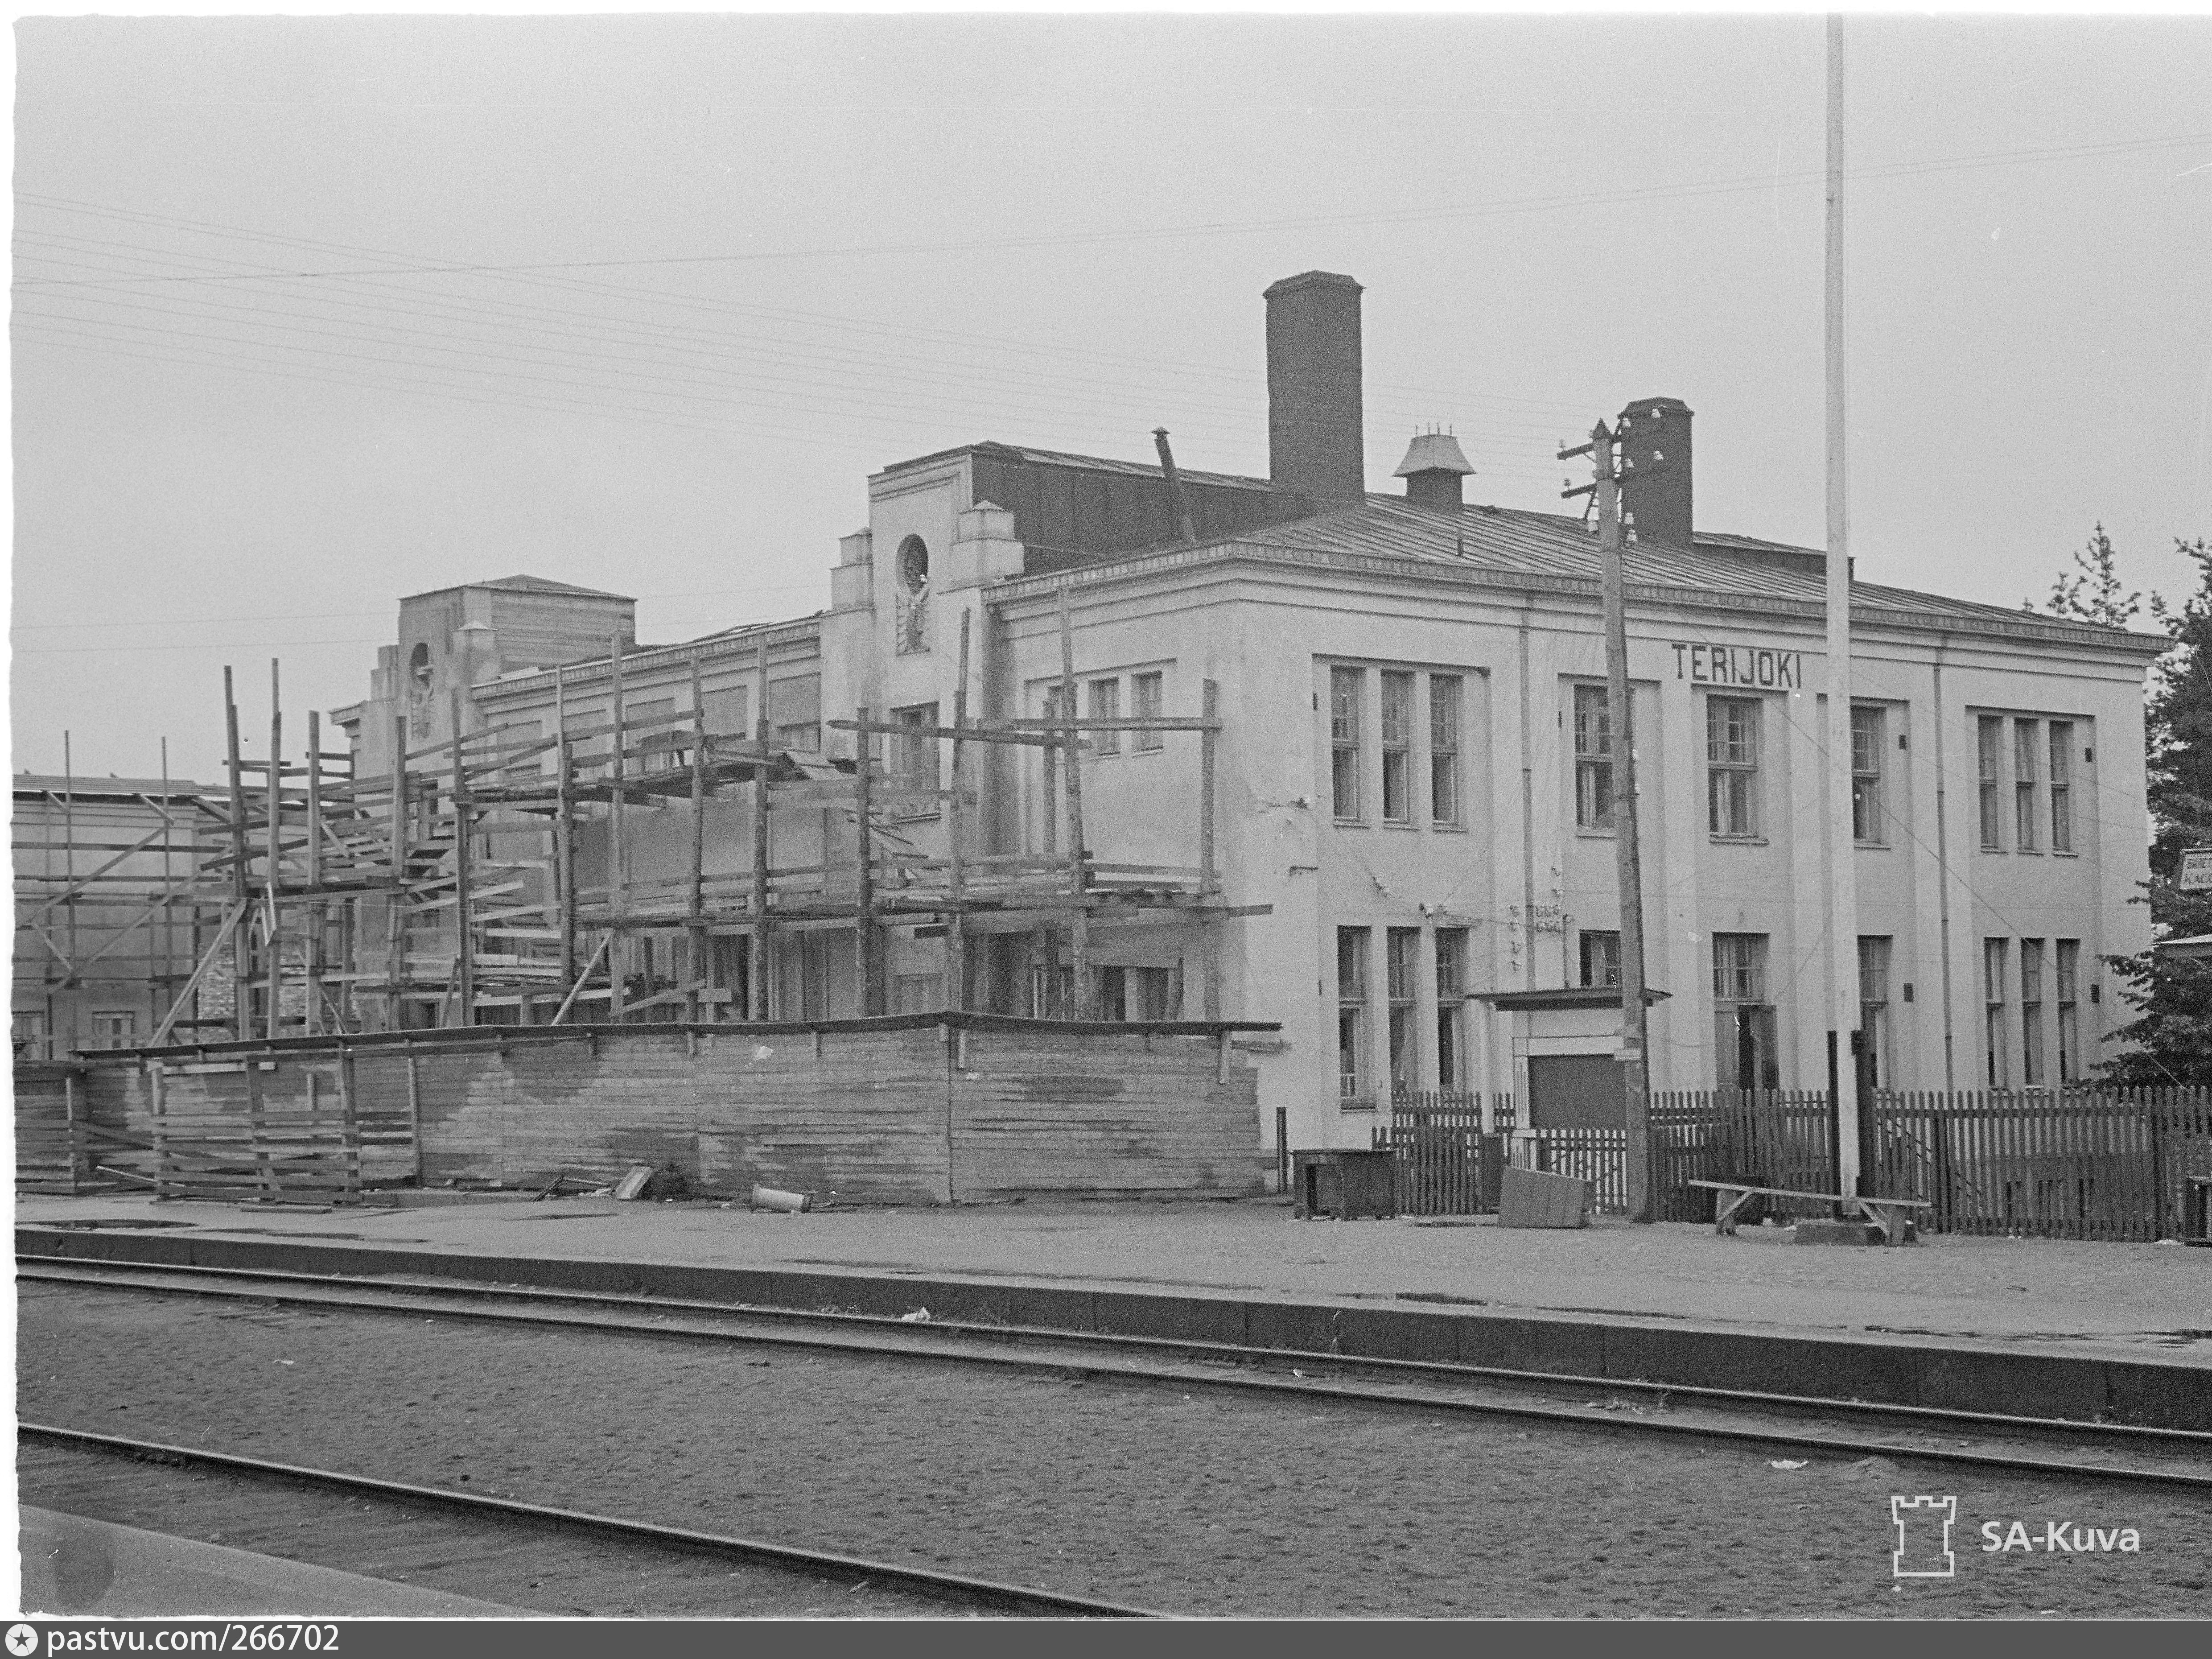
1139,993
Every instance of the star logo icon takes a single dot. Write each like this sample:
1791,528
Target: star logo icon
23,1641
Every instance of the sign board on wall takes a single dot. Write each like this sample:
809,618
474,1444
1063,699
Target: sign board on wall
2196,870
1739,664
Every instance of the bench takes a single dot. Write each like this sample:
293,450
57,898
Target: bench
1890,1214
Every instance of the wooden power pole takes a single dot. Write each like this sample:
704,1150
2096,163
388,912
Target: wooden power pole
1628,860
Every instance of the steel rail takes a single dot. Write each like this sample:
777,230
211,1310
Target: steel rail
982,1592
1994,1423
329,1290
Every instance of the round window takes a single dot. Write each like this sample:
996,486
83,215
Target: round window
914,564
418,665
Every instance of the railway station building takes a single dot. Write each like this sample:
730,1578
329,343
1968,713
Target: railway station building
1375,808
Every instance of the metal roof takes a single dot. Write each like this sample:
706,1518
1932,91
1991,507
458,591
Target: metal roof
1509,539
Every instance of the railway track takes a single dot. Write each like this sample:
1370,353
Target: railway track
918,1589
2173,1458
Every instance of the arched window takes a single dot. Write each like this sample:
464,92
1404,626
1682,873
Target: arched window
418,667
912,574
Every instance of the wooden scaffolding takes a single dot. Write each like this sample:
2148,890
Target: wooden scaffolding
446,889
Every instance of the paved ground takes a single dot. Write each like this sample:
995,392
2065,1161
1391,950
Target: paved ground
1190,1502
80,1567
2145,1300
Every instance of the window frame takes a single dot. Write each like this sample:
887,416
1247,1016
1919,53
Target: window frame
1148,701
1395,739
1401,957
1348,692
1590,712
1988,758
2061,763
1451,947
1105,699
1869,825
2027,783
903,777
1739,773
1447,707
1353,1073
1599,948
1996,982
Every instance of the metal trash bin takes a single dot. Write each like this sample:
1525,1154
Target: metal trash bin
2196,1223
1344,1183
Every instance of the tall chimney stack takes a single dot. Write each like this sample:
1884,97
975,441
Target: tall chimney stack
1314,438
1655,431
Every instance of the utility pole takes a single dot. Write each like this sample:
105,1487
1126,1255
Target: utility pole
1843,873
1628,870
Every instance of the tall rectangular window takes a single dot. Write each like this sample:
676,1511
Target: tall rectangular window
2031,1013
913,760
1873,1005
1867,732
1739,968
1994,979
1148,702
1105,705
1350,1013
1601,958
1744,1049
1397,747
1732,765
1451,1008
1593,759
2062,786
1346,688
2025,772
1988,741
1403,948
2069,965
1444,748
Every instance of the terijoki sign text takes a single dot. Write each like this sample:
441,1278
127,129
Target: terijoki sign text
1740,664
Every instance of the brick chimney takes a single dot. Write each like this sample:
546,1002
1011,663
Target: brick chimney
1432,470
1652,429
1314,438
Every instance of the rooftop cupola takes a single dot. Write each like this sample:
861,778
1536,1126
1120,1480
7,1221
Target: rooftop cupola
1432,469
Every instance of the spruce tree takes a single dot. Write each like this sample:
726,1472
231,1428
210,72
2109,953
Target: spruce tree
2171,1038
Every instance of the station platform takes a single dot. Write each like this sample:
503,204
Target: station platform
2042,1327
78,1567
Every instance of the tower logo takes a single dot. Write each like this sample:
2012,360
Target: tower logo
1924,1537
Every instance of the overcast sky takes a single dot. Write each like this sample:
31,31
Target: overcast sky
771,255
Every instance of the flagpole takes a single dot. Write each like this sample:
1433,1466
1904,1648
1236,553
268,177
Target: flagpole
1843,875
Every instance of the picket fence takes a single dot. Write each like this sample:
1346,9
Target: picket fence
2080,1163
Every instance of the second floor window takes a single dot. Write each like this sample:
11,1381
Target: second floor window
1600,958
2025,771
1147,701
1866,775
1105,705
1732,765
1593,759
1444,748
1397,747
1346,687
2062,786
914,757
1988,741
